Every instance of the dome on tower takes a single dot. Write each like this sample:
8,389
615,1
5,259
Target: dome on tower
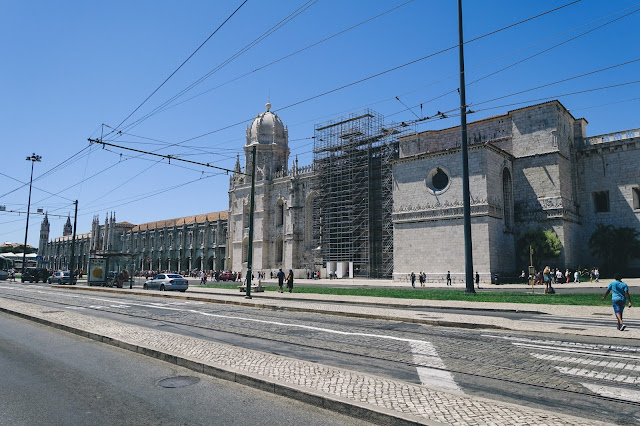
267,128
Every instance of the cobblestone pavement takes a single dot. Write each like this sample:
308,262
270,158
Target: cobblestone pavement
331,385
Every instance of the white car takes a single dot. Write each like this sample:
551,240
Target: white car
164,282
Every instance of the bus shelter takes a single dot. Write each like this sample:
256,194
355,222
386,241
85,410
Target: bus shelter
111,269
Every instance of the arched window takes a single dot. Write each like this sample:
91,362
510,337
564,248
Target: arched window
245,250
280,213
507,199
245,216
279,250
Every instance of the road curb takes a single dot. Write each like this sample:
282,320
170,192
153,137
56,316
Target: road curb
354,409
183,296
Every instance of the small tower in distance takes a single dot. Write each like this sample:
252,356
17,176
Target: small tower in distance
68,229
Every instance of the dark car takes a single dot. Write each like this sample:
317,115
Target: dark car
61,277
33,275
227,276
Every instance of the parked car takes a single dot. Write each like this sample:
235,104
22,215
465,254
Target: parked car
227,276
61,277
164,282
34,275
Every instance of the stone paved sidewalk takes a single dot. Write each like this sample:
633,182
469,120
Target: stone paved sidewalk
373,398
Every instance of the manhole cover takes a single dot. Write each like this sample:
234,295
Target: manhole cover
178,381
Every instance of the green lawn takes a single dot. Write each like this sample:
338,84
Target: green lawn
593,299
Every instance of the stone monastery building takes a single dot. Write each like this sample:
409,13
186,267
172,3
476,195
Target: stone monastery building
378,202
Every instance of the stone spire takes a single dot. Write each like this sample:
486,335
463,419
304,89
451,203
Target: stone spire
68,229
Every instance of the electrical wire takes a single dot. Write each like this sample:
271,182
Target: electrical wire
167,105
181,65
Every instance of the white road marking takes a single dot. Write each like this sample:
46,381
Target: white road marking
577,351
433,373
583,372
567,344
432,370
614,392
585,361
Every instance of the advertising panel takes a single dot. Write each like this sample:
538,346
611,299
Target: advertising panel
97,270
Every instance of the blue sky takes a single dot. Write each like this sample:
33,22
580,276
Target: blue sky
70,66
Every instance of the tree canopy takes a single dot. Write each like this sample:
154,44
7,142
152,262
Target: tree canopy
615,246
545,243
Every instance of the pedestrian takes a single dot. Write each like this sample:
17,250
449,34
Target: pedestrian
478,279
619,295
12,275
290,281
547,279
422,277
576,277
413,280
206,276
202,281
448,277
596,272
280,276
567,275
558,276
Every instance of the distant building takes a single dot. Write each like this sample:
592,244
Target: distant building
181,244
379,203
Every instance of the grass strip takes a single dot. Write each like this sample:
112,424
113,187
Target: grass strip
584,299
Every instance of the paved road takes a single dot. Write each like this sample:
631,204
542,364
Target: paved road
578,376
52,377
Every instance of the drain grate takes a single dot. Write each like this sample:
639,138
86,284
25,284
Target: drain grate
178,381
572,328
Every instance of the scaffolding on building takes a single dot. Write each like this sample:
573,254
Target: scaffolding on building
353,182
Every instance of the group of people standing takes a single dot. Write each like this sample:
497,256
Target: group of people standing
422,277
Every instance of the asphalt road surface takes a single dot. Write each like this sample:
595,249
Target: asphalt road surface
50,377
588,377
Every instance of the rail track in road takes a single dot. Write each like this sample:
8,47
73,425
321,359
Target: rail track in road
492,360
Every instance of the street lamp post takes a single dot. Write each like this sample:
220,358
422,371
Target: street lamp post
33,158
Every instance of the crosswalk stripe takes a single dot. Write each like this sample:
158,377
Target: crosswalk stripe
614,392
585,361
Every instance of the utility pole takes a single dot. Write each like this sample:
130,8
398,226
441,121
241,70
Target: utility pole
33,158
251,207
72,264
466,198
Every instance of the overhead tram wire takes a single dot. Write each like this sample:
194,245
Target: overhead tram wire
386,71
426,57
227,61
167,105
35,187
166,156
183,63
532,56
392,98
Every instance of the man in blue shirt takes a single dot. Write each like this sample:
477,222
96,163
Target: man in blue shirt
619,296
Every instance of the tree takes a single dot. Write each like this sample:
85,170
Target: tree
545,243
615,246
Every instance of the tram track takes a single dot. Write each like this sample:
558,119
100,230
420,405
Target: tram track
363,352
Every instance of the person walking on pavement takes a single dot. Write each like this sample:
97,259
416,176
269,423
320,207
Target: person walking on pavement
290,281
576,276
413,279
619,296
477,279
448,277
280,276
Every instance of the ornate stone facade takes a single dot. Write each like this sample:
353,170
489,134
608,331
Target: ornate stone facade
182,244
531,167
